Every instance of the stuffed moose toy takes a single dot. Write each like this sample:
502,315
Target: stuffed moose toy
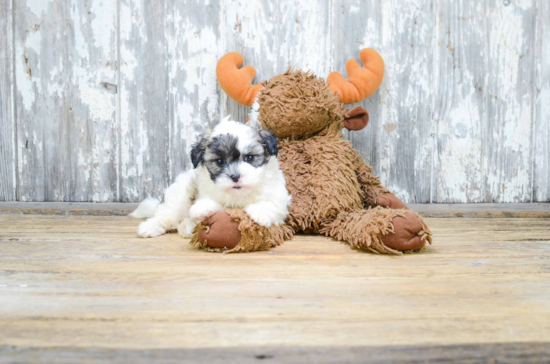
333,190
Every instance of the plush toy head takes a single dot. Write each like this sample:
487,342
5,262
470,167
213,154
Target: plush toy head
310,105
298,104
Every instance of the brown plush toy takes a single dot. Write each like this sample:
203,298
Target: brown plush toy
333,191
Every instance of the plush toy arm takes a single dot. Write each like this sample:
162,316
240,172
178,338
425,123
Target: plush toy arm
374,194
233,231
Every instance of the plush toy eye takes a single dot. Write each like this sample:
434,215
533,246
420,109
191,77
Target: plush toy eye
219,161
249,158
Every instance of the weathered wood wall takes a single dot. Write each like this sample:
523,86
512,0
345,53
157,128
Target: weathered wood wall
101,99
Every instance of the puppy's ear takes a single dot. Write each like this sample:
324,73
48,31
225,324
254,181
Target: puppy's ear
270,141
198,149
197,152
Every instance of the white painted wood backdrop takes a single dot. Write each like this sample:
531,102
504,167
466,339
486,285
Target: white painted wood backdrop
101,99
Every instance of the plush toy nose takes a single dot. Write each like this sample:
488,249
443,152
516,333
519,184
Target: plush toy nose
235,177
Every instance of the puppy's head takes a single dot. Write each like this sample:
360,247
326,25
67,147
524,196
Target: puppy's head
234,154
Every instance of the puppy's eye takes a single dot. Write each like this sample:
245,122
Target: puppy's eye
249,158
220,161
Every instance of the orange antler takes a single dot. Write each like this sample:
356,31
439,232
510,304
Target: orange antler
363,81
237,83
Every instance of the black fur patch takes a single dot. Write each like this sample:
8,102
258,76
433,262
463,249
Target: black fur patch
270,141
198,149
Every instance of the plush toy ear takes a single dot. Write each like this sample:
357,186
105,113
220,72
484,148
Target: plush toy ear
270,142
198,149
356,118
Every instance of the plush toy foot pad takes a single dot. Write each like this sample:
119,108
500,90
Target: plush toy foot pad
405,235
220,231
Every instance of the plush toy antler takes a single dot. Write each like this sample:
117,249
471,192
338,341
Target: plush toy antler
237,83
363,81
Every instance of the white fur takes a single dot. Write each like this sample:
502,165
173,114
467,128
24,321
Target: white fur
262,194
146,208
254,114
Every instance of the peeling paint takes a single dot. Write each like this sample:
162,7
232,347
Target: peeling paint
510,140
38,7
461,115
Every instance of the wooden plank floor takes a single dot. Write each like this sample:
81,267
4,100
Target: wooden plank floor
87,286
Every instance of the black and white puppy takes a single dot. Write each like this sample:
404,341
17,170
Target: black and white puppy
234,166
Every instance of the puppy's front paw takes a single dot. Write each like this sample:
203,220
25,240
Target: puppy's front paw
185,228
203,209
150,229
260,214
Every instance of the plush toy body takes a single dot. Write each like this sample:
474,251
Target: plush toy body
333,191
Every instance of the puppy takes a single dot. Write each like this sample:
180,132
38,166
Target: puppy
234,166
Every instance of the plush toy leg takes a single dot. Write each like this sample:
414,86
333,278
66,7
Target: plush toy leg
380,230
232,231
370,185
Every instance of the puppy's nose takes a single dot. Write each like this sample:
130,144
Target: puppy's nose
235,177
